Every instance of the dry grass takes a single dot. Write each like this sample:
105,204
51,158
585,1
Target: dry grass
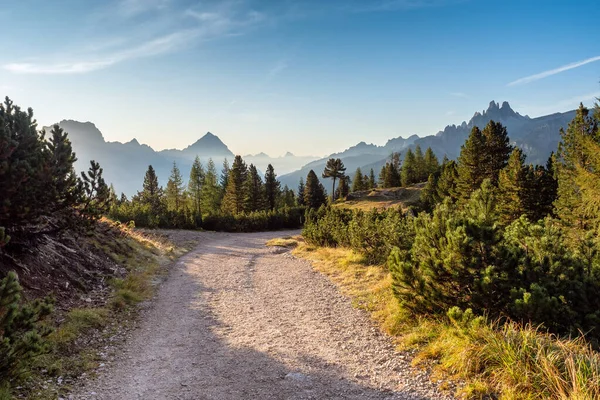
287,241
492,361
384,198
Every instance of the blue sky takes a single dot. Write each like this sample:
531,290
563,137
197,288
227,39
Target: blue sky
311,77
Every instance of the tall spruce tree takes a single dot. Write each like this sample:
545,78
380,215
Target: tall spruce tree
211,192
343,188
372,181
358,183
420,168
254,191
196,185
314,192
497,150
96,193
175,190
224,179
432,165
272,187
409,173
151,193
512,187
470,165
446,184
334,169
64,190
576,159
300,194
544,191
235,193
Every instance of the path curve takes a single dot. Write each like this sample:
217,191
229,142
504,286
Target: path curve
238,320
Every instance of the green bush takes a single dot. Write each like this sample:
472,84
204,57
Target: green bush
22,334
285,218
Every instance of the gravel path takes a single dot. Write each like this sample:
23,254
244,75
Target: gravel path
238,320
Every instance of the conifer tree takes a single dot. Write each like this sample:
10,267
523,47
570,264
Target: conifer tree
575,170
235,194
545,189
287,197
175,189
272,187
372,181
496,152
358,183
63,191
334,169
300,195
432,164
211,192
196,186
446,184
409,169
383,176
96,193
470,163
314,192
224,179
343,188
429,195
254,191
512,187
151,193
420,168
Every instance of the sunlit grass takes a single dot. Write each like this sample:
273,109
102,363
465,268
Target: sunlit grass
488,359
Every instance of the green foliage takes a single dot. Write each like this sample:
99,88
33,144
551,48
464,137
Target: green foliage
254,191
390,173
196,186
151,194
358,182
512,185
175,190
285,218
211,192
469,173
372,181
343,188
334,169
235,196
314,192
96,194
22,332
272,187
431,162
496,152
373,234
300,193
410,173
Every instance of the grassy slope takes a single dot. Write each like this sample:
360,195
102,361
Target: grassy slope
383,198
82,332
489,361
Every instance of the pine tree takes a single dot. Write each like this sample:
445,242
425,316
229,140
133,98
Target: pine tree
151,193
300,195
272,187
287,197
343,188
224,180
383,179
545,190
497,150
235,194
314,192
254,191
429,195
512,186
420,168
409,169
334,169
211,192
574,167
470,165
64,190
175,189
96,193
196,186
446,184
432,165
372,181
358,183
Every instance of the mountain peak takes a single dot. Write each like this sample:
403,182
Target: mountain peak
289,154
209,145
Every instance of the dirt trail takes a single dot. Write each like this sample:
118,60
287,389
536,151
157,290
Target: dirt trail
238,320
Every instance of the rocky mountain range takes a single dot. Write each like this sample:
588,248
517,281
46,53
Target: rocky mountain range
538,137
125,163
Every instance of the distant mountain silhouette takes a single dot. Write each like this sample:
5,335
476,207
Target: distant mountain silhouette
125,164
538,137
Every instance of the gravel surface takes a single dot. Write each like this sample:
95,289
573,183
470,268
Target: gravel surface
238,320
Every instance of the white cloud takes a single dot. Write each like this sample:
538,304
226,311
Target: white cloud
153,47
460,94
554,71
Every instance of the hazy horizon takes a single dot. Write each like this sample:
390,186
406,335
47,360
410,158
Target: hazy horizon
274,77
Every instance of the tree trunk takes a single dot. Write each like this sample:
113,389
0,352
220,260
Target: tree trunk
333,191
